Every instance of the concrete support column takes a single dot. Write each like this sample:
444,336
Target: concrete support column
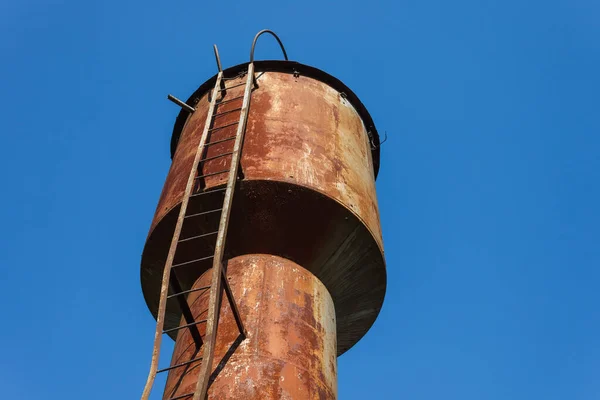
290,351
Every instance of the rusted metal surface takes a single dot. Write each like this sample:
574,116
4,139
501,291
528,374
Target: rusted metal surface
293,68
301,131
290,351
308,193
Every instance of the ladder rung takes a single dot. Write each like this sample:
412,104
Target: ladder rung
221,141
203,213
183,396
209,192
230,100
212,173
232,86
221,127
188,291
198,237
227,112
185,326
192,262
179,365
219,156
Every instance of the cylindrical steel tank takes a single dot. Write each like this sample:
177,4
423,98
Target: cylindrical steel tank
290,351
307,196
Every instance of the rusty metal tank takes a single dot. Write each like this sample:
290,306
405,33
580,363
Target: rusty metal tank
306,202
290,349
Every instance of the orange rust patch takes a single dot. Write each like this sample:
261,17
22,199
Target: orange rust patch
287,354
308,194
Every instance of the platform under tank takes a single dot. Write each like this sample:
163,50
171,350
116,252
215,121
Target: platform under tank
306,198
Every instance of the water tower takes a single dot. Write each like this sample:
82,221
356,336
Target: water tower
264,260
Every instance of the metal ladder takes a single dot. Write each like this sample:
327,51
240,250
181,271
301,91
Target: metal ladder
218,278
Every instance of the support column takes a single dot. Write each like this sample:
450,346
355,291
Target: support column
290,351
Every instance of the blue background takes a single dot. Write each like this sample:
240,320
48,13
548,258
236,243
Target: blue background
488,187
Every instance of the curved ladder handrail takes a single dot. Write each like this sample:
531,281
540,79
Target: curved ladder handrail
276,37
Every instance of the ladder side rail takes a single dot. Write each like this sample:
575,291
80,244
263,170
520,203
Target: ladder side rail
216,284
164,289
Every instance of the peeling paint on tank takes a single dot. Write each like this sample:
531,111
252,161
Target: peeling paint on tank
308,191
289,350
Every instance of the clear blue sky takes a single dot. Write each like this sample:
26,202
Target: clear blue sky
488,188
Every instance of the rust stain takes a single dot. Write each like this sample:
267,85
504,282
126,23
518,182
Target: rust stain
300,132
290,350
308,195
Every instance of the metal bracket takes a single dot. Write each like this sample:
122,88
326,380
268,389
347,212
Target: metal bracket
181,104
373,145
185,310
